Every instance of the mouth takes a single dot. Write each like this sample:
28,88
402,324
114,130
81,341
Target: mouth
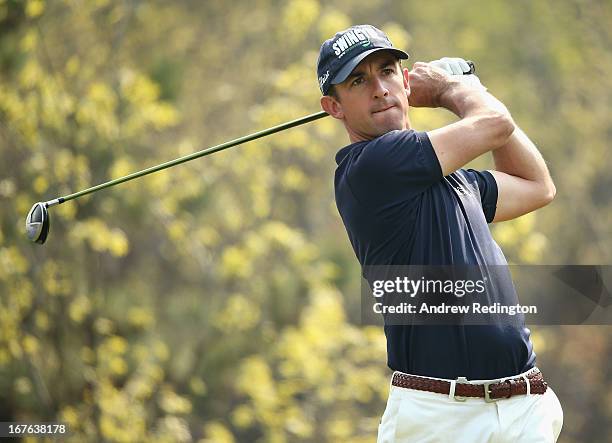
383,109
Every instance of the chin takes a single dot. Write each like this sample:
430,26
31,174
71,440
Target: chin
384,127
388,122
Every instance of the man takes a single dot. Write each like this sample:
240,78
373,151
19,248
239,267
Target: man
405,199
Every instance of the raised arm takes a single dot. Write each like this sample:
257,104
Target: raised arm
523,181
485,122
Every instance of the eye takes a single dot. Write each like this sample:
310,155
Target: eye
357,81
388,71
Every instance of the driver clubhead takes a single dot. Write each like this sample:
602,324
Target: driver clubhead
37,223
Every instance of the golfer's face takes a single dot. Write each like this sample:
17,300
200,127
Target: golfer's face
374,98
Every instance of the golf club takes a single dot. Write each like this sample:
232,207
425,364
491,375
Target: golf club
37,220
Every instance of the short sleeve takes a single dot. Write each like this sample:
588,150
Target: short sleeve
487,186
396,166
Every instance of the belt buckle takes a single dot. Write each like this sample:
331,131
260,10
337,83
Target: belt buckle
487,392
460,380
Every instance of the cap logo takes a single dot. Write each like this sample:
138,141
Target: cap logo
340,54
323,79
349,40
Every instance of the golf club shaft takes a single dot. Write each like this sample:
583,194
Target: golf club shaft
202,153
186,158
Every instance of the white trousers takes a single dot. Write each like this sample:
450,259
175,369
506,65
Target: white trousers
428,417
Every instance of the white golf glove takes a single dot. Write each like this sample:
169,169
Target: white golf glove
457,66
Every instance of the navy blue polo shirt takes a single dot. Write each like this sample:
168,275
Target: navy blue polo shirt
398,209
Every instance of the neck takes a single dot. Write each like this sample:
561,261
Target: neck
356,136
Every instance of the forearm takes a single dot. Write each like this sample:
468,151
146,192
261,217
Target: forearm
485,123
517,155
466,101
520,157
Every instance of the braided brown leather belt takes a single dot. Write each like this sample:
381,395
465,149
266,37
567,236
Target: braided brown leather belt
490,391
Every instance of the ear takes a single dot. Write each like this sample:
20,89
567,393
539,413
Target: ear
406,81
332,107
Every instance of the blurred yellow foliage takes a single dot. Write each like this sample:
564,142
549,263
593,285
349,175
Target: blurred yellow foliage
160,350
40,184
140,317
41,319
35,8
172,403
294,179
23,385
56,279
239,314
520,234
243,416
122,166
216,433
100,237
117,366
298,17
398,35
88,355
197,386
235,263
12,262
30,344
104,326
304,357
79,308
332,21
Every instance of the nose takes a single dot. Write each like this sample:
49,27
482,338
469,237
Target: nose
379,89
